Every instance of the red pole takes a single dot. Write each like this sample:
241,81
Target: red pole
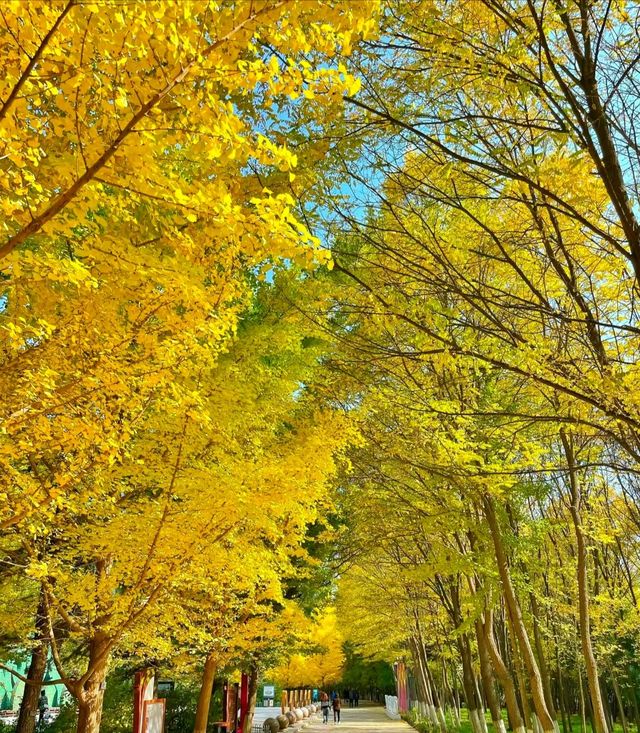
140,694
244,700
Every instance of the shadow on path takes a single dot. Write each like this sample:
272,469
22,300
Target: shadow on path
361,720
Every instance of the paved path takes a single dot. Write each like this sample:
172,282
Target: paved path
361,720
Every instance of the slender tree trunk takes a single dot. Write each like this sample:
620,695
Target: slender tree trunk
542,662
583,589
616,692
636,710
583,716
607,708
488,681
419,676
524,693
424,681
35,675
204,697
468,682
455,696
562,699
427,682
480,698
504,676
515,614
91,695
448,695
439,712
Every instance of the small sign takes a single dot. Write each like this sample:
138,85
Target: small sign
165,686
268,691
153,719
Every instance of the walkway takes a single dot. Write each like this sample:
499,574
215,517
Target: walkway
361,720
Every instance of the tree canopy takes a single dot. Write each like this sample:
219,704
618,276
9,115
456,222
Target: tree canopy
319,350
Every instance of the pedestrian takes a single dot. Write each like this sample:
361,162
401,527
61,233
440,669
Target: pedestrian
336,709
43,705
357,698
324,706
352,698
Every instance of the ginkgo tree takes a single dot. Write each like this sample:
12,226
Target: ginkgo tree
192,546
139,142
147,181
492,233
320,660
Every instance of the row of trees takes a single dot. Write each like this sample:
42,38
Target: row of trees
484,298
160,456
167,435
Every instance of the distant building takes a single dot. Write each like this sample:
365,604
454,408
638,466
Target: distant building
12,689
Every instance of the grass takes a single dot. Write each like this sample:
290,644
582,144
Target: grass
424,726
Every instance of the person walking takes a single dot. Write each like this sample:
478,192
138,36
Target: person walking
43,706
336,709
324,706
357,698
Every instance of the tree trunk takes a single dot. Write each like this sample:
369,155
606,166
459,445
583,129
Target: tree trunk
204,697
524,695
583,715
504,676
424,680
636,710
91,695
479,697
616,692
422,690
469,684
488,681
253,694
591,666
607,708
562,699
439,712
449,696
29,705
515,614
455,697
542,662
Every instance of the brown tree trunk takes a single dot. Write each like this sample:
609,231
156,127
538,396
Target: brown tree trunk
542,662
562,698
455,696
468,677
519,628
91,694
503,675
448,695
253,694
636,711
204,698
469,684
523,690
583,713
617,693
29,705
488,683
438,706
422,690
591,666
